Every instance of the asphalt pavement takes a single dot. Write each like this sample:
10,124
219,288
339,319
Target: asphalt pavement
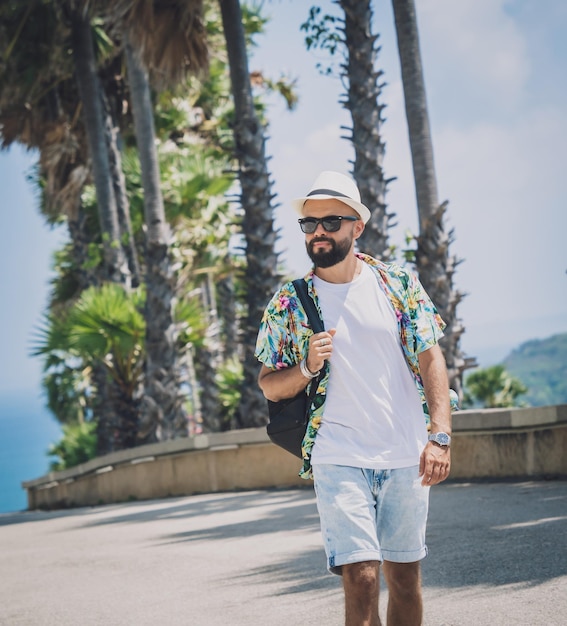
497,557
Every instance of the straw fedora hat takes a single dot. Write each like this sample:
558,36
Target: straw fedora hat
334,185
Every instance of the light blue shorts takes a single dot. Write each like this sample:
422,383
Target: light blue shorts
371,515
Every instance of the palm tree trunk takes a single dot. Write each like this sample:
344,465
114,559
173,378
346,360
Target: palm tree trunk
208,358
434,264
228,316
261,275
91,97
80,237
107,419
162,406
119,187
361,100
416,111
210,405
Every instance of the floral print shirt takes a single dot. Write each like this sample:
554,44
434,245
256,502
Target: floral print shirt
283,338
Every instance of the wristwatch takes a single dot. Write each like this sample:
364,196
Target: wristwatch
441,439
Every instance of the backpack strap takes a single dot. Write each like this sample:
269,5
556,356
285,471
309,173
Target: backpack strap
308,305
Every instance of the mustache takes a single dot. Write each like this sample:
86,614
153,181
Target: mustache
320,239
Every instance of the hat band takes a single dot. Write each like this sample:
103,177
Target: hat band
328,192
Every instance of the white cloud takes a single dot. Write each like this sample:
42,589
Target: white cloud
506,203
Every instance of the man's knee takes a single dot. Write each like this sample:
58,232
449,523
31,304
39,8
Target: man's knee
363,576
403,579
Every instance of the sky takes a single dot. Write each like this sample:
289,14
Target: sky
495,75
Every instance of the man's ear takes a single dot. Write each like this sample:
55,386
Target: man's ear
359,227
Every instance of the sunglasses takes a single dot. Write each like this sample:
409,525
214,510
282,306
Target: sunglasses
331,223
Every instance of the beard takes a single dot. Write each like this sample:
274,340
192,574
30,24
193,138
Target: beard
328,258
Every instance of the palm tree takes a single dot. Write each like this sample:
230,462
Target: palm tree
40,106
112,131
102,331
362,100
168,42
163,417
495,387
434,264
352,37
91,95
261,274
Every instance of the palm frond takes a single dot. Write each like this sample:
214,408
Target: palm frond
169,35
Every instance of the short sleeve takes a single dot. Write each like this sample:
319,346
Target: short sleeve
279,344
427,324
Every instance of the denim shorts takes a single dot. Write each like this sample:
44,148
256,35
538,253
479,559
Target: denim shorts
371,515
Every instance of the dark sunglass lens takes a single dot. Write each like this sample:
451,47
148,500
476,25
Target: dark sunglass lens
331,224
308,225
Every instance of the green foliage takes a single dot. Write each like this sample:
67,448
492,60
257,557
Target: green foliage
191,321
284,86
105,327
78,445
252,20
106,324
229,380
494,387
323,32
65,286
68,389
541,365
103,44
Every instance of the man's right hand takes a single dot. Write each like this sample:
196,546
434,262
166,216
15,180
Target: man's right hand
285,383
320,349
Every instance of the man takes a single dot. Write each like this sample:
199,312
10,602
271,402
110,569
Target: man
367,445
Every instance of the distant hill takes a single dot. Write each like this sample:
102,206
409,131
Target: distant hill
541,364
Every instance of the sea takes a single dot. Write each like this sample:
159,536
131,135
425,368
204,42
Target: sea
27,428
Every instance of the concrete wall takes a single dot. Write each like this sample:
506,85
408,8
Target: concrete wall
495,443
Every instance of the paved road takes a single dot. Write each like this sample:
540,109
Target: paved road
498,556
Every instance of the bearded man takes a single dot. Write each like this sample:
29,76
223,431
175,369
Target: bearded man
379,431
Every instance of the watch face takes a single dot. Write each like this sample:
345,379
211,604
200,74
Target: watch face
442,439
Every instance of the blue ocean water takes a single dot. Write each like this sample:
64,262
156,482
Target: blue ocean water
27,429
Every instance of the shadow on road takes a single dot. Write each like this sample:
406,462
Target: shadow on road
496,534
479,534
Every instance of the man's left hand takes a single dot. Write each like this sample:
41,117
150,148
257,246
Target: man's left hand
434,464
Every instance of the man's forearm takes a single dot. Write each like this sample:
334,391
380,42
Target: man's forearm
435,461
280,384
436,386
286,383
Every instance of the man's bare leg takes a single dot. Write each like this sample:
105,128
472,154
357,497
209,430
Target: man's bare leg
361,583
405,606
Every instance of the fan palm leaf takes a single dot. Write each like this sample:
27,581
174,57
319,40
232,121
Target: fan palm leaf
169,35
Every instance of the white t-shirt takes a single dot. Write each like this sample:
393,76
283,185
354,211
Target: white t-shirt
373,415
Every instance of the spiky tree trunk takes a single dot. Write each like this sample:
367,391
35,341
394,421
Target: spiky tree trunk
434,264
227,316
91,97
162,408
364,90
107,418
261,275
205,368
